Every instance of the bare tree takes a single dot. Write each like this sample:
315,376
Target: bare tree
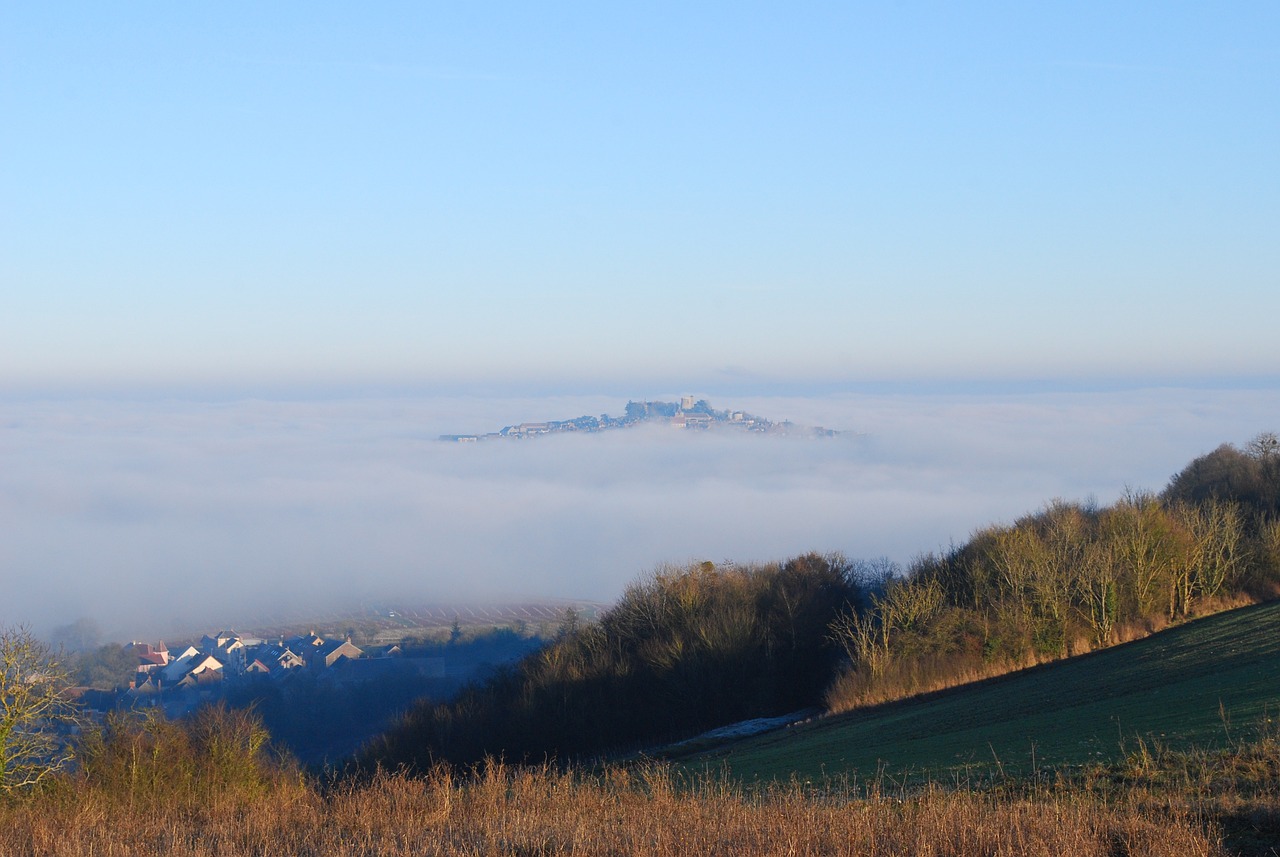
1265,446
1065,539
1145,548
35,713
1215,560
1097,589
864,640
1012,555
909,604
1268,550
869,638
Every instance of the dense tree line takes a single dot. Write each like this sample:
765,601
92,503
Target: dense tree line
691,648
1250,477
1070,578
696,647
684,650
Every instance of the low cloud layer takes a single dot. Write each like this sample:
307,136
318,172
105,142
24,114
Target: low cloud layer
154,516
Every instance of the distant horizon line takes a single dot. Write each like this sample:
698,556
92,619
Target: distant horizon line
637,390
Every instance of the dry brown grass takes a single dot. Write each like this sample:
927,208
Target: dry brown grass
510,811
914,677
907,677
209,788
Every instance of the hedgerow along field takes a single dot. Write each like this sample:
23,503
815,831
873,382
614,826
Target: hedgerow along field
1208,683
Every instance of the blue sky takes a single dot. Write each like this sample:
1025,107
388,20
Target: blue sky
451,193
254,257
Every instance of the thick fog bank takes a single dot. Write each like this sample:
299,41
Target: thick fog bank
154,515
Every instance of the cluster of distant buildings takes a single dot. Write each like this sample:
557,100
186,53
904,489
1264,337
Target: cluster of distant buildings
688,413
226,654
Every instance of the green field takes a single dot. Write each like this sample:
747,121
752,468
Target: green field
1174,687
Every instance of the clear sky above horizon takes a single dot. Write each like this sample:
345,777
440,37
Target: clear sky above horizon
823,192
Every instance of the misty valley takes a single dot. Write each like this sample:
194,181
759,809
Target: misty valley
712,685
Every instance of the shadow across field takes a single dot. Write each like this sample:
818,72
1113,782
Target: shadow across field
1191,685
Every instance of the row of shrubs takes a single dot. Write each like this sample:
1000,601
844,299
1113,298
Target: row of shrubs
1070,578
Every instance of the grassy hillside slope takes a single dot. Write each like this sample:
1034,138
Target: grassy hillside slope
1174,687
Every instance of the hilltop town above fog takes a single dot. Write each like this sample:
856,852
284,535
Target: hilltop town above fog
687,414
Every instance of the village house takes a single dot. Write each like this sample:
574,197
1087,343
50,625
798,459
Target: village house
305,642
200,665
257,667
278,658
228,647
178,665
684,420
205,674
330,652
150,659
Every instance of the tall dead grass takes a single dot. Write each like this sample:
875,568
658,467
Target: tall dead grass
209,787
503,810
906,677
